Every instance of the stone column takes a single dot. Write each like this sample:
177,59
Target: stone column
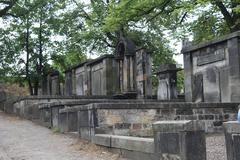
49,85
232,138
179,140
44,84
55,86
143,73
167,82
129,75
68,83
74,82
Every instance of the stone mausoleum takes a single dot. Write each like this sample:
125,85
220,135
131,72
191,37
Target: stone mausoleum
212,70
125,74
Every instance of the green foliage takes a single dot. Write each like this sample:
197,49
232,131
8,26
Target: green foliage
180,81
62,32
56,130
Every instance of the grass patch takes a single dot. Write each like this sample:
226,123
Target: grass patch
56,130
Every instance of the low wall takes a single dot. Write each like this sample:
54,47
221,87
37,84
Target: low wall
6,101
136,119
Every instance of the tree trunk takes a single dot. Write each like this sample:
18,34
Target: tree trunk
232,19
27,60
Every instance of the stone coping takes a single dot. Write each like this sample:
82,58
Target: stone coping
99,59
150,105
145,145
209,43
61,97
177,126
87,101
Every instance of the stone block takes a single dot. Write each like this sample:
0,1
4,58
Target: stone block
72,121
102,139
63,122
232,139
145,145
181,140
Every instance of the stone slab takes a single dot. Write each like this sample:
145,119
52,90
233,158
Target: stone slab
145,145
232,127
176,126
102,139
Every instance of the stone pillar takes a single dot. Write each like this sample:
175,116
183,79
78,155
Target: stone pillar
232,138
44,85
143,73
74,92
55,83
68,83
180,140
129,86
167,83
49,85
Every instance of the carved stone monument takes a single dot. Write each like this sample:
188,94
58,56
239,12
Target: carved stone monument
68,83
167,75
143,73
212,72
55,83
134,70
125,58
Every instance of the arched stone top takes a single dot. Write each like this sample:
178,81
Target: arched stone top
125,47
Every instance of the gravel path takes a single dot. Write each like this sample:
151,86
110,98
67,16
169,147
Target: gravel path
216,147
23,140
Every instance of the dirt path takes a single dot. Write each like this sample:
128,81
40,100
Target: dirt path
24,140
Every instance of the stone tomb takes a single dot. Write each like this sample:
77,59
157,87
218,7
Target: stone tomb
127,74
212,72
96,77
51,84
167,84
134,70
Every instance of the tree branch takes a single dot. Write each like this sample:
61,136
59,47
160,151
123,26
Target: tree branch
10,4
227,16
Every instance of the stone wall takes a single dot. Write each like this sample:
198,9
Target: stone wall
136,118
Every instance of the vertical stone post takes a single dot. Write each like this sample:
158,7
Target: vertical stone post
55,86
49,85
179,140
68,83
167,83
74,81
143,73
232,138
44,85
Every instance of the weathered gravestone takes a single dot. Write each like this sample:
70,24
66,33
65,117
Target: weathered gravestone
55,83
68,83
167,82
212,72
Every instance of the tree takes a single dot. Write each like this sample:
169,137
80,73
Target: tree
31,40
175,15
7,5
